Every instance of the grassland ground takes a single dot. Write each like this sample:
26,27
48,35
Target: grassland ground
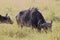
50,9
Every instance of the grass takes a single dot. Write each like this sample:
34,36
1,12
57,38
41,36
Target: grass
50,9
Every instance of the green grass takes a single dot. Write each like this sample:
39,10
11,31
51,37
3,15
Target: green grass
50,9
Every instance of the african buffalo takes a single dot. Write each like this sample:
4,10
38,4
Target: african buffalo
30,17
5,19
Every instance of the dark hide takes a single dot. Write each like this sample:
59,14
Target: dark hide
5,19
30,17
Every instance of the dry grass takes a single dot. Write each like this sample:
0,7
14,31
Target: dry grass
50,9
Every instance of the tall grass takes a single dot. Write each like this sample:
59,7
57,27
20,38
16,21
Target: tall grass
50,9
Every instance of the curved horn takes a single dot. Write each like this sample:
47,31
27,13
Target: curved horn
51,21
6,14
